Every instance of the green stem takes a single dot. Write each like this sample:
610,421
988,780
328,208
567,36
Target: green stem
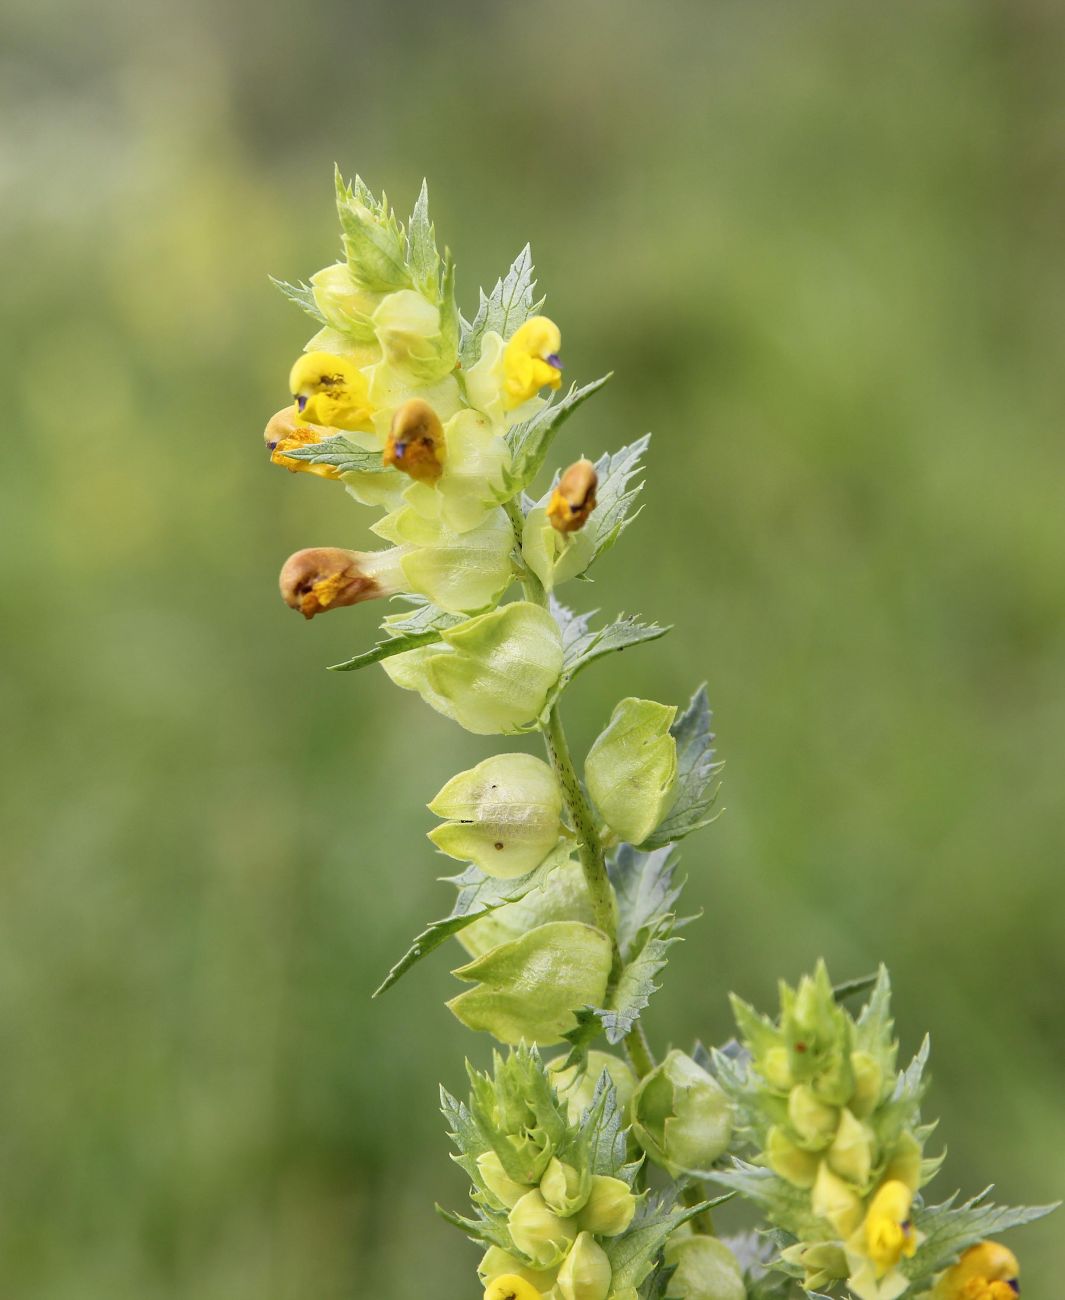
639,1051
589,848
695,1194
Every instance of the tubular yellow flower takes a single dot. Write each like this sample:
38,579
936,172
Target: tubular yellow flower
573,500
320,578
416,442
987,1271
531,361
331,390
510,1287
284,431
889,1233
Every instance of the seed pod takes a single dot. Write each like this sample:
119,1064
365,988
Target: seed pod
705,1269
532,987
503,815
681,1116
415,442
631,769
576,1087
491,674
573,500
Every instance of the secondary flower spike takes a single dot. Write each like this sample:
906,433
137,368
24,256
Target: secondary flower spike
415,442
573,500
330,390
325,577
531,360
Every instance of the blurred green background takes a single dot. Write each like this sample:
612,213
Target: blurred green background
820,244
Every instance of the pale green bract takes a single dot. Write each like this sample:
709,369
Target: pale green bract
566,904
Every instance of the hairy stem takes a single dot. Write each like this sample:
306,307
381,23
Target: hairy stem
589,848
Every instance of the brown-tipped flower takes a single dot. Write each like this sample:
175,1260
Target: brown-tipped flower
326,577
573,500
285,431
416,441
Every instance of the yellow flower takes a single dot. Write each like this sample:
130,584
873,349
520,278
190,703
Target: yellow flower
510,1287
985,1272
284,431
331,390
530,361
416,442
885,1236
889,1232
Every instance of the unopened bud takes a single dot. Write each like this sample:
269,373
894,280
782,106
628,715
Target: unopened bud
415,442
789,1161
326,577
836,1201
498,1263
814,1121
868,1083
539,1233
499,1183
851,1152
586,1273
573,500
610,1206
564,1188
822,1262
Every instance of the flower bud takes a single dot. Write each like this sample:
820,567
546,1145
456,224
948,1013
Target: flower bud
415,442
631,768
325,577
285,431
492,673
585,1274
705,1269
345,306
813,1122
498,1263
564,1189
504,815
905,1164
822,1262
538,1232
610,1207
495,1178
408,329
851,1152
798,1167
868,1082
681,1116
836,1201
531,361
573,500
530,988
776,1069
511,1286
331,390
576,1086
986,1271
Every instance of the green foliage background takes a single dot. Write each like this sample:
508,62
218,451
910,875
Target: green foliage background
820,245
